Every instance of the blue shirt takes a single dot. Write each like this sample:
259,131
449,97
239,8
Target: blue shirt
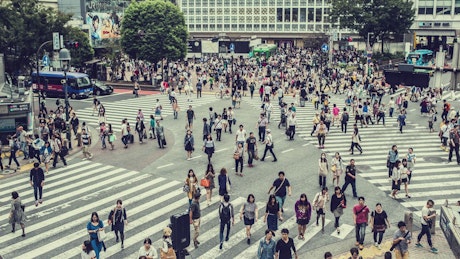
90,226
266,251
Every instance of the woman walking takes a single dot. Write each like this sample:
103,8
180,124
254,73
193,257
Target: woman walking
189,143
272,213
321,132
250,212
410,163
379,223
210,175
47,152
118,220
191,182
17,215
140,127
209,147
323,169
224,183
405,174
95,225
302,209
87,251
267,246
320,205
338,203
336,168
396,179
152,127
238,157
355,140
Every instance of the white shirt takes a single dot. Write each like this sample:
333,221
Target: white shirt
241,135
425,212
151,252
124,129
90,255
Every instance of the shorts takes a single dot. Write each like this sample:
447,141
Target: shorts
320,211
248,222
404,180
303,222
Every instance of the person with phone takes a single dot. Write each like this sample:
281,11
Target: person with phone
428,213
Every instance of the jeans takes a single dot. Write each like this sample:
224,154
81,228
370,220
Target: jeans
221,232
380,237
124,139
337,223
198,93
38,191
391,110
280,201
25,150
239,161
353,186
268,148
291,132
219,134
97,247
251,154
425,230
55,159
451,150
322,181
357,145
360,231
13,157
321,139
262,133
344,127
381,117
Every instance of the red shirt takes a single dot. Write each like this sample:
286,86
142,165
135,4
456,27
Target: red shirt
363,214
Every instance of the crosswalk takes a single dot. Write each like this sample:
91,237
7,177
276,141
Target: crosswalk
432,178
57,228
128,108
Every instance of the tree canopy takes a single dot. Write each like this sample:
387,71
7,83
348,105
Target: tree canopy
84,52
376,18
154,29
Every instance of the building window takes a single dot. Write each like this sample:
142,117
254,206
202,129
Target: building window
287,14
443,10
264,11
198,27
272,2
226,27
241,27
303,27
295,27
219,2
205,11
279,2
198,11
219,19
227,3
303,2
205,27
234,27
205,19
264,27
249,11
279,27
212,11
256,2
256,11
234,3
249,27
311,14
212,27
295,14
249,19
279,14
219,26
242,2
234,11
257,19
212,19
310,27
263,19
227,19
241,19
319,15
457,7
303,14
287,27
234,19
271,27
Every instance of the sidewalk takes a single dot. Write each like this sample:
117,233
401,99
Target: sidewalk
439,241
26,166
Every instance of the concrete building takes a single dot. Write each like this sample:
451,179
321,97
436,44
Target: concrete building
284,22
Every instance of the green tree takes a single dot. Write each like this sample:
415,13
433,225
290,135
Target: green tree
374,18
154,29
24,26
84,52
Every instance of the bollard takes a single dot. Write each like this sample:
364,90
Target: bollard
433,226
408,219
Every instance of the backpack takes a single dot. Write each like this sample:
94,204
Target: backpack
16,145
345,117
225,213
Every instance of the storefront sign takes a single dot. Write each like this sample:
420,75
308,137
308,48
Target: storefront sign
12,108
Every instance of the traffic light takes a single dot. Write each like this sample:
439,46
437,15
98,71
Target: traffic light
70,44
76,44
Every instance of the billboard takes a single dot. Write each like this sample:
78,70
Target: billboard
234,47
194,46
104,19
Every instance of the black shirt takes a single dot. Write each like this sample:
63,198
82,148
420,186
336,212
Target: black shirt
284,249
251,141
190,114
281,191
195,209
37,176
352,170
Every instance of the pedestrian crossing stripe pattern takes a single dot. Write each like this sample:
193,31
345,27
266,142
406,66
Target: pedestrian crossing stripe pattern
116,111
57,228
432,178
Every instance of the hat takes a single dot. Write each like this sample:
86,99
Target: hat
268,130
167,232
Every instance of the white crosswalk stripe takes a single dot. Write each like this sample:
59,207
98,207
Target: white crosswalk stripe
57,228
128,108
432,177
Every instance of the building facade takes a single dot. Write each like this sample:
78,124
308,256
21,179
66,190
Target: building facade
276,21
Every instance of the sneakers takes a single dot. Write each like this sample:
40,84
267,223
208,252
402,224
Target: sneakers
220,246
376,244
419,245
434,250
361,247
356,243
40,201
379,247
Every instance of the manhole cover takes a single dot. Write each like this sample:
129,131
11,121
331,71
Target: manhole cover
434,159
7,171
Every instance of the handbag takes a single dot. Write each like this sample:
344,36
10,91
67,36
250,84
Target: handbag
380,228
205,183
236,155
112,138
333,168
101,235
171,254
186,188
388,163
227,185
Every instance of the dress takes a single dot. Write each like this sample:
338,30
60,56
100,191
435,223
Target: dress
17,214
212,185
97,246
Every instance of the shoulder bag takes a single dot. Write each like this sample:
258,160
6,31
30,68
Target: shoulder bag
281,185
394,245
101,235
227,184
205,182
171,254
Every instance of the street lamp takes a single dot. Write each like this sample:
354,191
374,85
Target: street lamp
64,57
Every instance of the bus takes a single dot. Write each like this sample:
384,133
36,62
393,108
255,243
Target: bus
420,57
53,84
265,50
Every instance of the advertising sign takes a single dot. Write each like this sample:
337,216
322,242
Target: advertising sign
194,46
104,19
234,46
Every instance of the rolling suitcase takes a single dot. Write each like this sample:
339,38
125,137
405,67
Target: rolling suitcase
131,138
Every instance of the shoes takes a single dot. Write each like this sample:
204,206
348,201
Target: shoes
198,242
419,245
275,160
36,203
408,196
376,244
361,247
122,246
356,243
84,158
40,201
116,240
220,246
433,250
24,235
262,159
248,241
379,247
226,239
195,244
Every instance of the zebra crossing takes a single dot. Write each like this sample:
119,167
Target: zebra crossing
57,228
433,178
116,111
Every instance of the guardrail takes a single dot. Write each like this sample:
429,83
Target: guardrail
448,222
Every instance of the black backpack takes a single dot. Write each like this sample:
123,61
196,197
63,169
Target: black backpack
345,117
225,213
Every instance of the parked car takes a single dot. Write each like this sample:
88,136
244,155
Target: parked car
100,88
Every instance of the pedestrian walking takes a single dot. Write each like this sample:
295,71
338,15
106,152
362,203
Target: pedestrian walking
14,147
261,124
238,155
355,140
37,181
319,203
206,129
158,107
267,246
338,203
189,144
103,134
396,179
136,89
224,183
86,142
111,136
454,143
87,251
269,145
428,214
282,188
360,219
160,132
195,215
321,132
140,128
401,121
350,178
323,170
354,252
152,127
240,136
57,148
392,157
291,123
226,216
166,249
344,118
218,124
148,250
46,151
230,119
285,245
94,226
17,215
118,219
124,132
191,185
405,174
379,223
209,147
336,168
251,149
272,213
401,240
209,175
250,212
302,210
190,118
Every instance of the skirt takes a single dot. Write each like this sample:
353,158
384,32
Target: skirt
395,186
303,222
272,222
188,147
248,222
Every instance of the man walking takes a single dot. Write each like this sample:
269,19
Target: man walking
240,137
251,148
285,245
401,240
37,180
86,141
226,215
360,218
269,146
280,185
57,147
350,178
159,131
262,125
428,213
124,133
190,117
291,122
199,87
454,142
195,215
206,129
